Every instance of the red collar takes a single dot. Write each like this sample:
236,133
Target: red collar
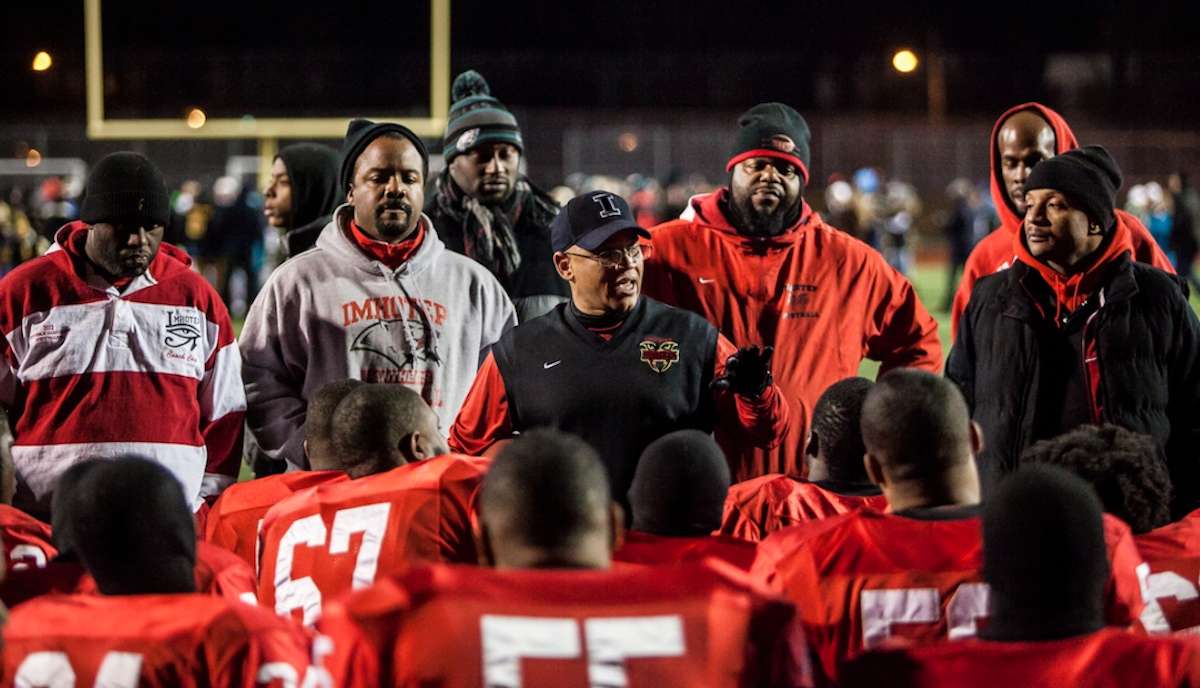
391,255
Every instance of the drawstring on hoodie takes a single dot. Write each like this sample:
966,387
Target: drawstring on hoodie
431,337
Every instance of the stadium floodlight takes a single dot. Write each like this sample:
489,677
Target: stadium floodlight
905,61
42,61
267,130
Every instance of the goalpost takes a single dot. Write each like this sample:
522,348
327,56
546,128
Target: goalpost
268,130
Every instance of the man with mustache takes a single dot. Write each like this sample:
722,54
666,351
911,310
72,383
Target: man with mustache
379,298
1022,137
485,209
113,345
1077,332
758,263
612,366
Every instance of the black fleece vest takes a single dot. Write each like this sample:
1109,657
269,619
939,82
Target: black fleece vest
651,378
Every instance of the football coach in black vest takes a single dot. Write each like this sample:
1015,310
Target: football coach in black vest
617,368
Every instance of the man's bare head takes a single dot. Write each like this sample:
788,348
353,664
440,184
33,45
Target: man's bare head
1024,140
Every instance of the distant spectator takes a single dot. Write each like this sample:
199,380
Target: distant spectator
1185,225
302,193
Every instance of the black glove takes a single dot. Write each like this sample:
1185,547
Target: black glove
747,372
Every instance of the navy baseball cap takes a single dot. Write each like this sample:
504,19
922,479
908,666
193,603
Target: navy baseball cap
589,219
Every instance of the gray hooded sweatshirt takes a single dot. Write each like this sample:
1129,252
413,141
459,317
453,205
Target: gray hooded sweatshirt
333,313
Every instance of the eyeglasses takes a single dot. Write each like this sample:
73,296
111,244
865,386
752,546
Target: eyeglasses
617,257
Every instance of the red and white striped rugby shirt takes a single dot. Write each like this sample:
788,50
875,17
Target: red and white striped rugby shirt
90,371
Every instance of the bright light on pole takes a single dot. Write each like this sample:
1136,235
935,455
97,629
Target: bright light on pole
196,118
42,61
904,61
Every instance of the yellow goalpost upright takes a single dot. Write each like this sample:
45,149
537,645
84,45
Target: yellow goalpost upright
266,130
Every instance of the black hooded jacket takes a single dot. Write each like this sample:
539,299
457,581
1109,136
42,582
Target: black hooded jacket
313,171
1147,344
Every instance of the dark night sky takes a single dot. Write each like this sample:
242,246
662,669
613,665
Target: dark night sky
277,58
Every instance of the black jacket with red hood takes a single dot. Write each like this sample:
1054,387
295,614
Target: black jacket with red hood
995,253
1138,366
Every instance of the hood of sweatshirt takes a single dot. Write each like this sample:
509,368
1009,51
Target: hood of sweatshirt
168,262
336,239
1070,291
313,172
1064,140
708,209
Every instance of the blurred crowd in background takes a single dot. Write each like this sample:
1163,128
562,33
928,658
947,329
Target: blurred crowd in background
222,226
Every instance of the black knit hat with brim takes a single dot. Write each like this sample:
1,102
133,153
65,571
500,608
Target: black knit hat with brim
360,133
124,187
476,117
772,130
1087,176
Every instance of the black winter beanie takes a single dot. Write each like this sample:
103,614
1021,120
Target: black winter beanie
360,133
1044,556
1088,176
125,186
680,485
313,171
772,130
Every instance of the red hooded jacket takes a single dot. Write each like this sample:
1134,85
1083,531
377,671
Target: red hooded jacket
822,298
995,252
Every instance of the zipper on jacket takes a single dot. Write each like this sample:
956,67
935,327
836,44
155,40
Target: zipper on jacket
1093,407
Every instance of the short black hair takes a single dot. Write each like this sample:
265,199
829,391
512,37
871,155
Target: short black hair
836,423
916,422
368,424
63,503
1044,556
550,486
680,485
318,419
1125,468
131,525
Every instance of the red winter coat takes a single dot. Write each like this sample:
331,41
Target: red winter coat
822,298
995,251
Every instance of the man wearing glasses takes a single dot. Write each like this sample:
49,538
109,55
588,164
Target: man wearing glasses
612,366
758,263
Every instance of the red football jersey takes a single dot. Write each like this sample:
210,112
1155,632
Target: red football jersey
1107,658
868,576
339,536
234,520
645,548
651,627
151,641
760,506
26,540
218,572
1172,576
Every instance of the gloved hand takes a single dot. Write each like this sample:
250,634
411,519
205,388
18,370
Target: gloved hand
747,372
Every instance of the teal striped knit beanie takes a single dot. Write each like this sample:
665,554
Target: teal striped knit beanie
476,117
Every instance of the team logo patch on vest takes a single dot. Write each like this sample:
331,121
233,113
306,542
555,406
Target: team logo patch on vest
658,353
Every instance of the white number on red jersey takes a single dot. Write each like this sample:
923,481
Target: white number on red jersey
24,556
124,669
302,593
881,609
610,641
53,670
1160,586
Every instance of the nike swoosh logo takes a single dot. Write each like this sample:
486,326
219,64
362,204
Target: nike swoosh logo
548,366
707,280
